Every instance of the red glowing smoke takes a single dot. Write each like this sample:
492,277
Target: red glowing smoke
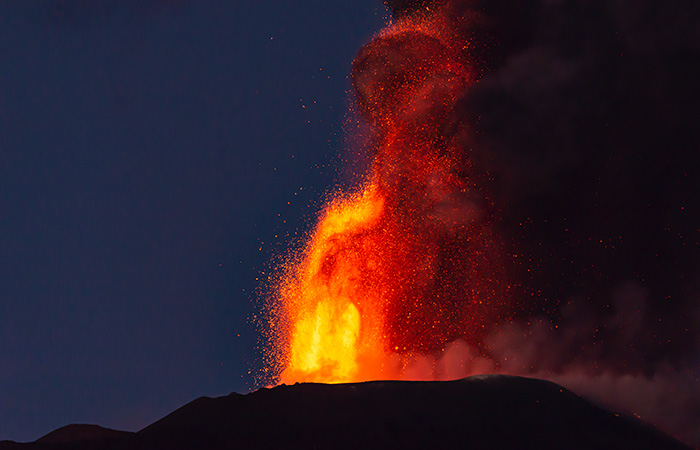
412,262
530,208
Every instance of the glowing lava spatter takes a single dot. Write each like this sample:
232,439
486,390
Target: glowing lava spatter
410,263
335,319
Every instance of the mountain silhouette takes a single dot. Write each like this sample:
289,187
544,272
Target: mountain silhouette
479,412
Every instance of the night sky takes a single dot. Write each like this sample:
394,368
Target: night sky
155,155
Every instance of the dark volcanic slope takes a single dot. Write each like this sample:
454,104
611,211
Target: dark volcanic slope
484,412
81,432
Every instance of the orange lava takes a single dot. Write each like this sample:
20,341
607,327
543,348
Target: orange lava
410,263
335,320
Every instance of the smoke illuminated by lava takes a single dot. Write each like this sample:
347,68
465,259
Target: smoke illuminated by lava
410,263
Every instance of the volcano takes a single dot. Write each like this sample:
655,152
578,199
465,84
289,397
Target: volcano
479,412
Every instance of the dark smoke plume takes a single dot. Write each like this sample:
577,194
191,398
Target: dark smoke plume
584,126
580,137
402,8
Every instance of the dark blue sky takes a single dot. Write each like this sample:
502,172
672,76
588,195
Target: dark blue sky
150,154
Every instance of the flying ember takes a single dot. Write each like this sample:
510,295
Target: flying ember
410,262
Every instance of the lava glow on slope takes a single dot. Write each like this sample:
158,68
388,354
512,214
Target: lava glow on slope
409,263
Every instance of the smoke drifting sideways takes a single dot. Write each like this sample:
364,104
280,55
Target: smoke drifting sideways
585,120
532,207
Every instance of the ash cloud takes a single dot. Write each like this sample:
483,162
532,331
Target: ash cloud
402,8
589,134
583,127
